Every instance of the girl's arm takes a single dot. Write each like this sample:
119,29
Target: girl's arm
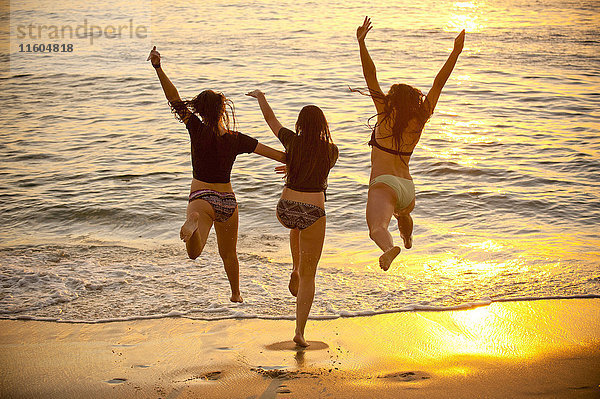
273,123
444,73
168,87
267,112
368,66
269,152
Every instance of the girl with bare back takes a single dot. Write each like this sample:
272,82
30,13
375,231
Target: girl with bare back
401,116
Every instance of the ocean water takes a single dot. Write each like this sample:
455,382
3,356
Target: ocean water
95,171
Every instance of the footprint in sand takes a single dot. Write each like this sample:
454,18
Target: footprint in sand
207,376
117,381
407,376
272,371
283,389
211,376
275,387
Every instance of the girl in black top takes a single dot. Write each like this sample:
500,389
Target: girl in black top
214,147
310,155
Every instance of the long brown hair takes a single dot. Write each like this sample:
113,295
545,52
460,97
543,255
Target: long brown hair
402,103
211,107
313,153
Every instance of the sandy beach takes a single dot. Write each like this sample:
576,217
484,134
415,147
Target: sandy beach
545,348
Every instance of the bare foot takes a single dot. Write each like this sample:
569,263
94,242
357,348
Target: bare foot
236,298
388,257
407,241
300,341
188,228
294,282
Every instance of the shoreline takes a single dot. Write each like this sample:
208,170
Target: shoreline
547,348
342,314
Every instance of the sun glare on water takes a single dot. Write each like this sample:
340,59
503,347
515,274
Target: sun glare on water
465,16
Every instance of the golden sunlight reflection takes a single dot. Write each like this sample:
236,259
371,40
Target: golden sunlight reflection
464,17
456,268
466,22
486,331
480,331
451,154
450,342
475,129
489,246
464,4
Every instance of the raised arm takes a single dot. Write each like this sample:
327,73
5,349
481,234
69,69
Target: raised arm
444,73
368,66
170,91
269,152
267,112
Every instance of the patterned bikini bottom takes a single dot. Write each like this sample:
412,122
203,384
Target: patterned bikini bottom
298,215
224,204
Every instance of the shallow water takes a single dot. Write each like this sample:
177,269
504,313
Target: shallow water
95,171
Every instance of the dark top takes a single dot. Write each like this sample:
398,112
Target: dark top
306,182
374,143
212,156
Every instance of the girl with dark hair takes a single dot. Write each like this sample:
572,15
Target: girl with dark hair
401,116
310,154
214,147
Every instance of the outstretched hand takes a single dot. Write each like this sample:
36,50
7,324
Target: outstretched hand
255,93
154,56
459,42
361,31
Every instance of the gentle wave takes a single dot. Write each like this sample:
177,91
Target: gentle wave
90,282
362,313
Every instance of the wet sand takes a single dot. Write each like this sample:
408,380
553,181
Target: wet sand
548,348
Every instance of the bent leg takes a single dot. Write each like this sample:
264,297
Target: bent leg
194,232
311,246
227,241
295,249
405,224
380,208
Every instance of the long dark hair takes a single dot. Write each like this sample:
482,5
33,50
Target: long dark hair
402,103
313,153
211,107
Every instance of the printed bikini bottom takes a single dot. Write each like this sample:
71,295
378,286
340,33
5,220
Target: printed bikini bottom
298,215
224,204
